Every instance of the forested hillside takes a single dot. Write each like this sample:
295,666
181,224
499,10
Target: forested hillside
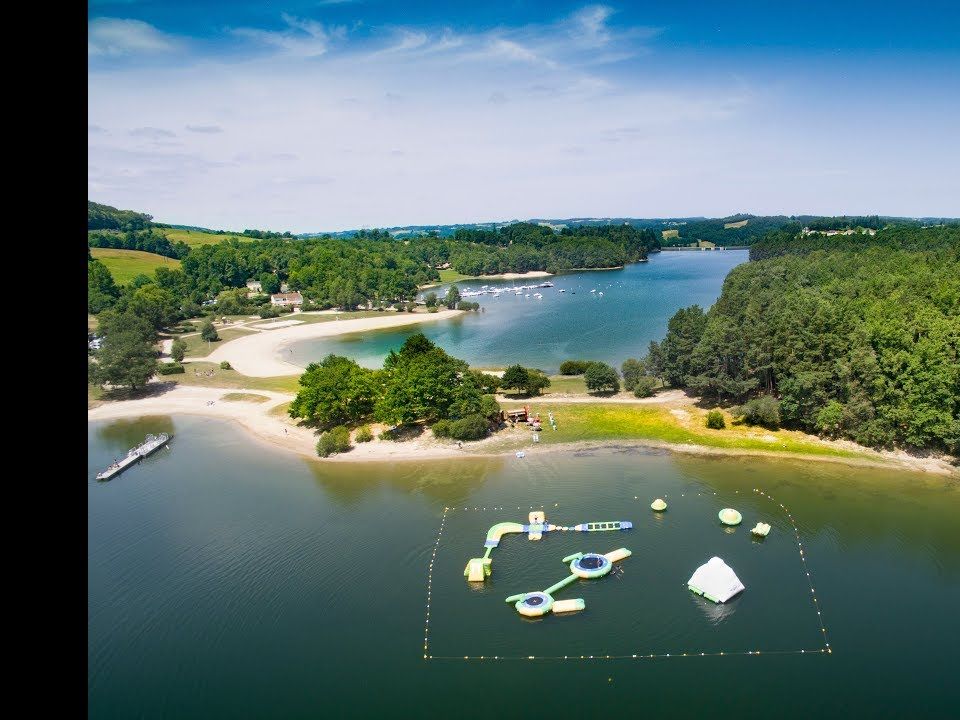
722,231
854,336
104,217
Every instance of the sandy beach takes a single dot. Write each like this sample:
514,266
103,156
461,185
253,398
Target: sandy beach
261,354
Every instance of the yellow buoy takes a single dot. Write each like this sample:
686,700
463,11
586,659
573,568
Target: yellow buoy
658,505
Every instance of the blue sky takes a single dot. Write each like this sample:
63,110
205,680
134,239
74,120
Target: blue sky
341,114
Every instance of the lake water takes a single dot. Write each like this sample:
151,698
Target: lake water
636,305
228,580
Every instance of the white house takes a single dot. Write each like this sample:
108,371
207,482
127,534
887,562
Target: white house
254,286
293,298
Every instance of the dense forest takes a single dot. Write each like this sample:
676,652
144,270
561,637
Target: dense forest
852,336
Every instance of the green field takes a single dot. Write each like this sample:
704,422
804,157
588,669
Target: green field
231,379
198,347
245,397
448,276
125,265
585,422
195,238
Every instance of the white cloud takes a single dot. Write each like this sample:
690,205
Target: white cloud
151,133
207,129
590,25
116,37
301,38
500,47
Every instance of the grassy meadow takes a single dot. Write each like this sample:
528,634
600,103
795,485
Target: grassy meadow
600,422
125,265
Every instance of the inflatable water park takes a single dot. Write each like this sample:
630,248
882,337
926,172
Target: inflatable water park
714,580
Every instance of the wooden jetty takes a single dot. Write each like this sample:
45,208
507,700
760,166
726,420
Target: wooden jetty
135,455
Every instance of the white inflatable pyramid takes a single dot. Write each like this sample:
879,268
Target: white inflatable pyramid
715,581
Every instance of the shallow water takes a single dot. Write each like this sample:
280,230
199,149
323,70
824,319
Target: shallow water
637,303
229,580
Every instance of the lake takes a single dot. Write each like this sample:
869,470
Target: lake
228,580
636,305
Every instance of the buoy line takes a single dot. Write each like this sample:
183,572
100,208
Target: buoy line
433,559
806,569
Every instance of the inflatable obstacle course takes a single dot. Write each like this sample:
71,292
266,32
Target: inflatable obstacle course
479,569
582,565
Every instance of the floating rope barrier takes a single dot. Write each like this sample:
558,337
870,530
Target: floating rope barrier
806,569
825,650
433,559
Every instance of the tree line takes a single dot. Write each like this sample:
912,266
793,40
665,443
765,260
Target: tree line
147,240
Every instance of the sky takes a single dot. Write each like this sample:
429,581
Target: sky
344,114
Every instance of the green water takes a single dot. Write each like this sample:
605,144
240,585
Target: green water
636,304
227,580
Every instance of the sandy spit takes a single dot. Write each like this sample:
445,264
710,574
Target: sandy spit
261,355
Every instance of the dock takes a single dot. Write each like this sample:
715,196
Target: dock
135,455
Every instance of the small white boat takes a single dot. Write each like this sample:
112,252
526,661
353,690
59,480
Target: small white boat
561,290
594,290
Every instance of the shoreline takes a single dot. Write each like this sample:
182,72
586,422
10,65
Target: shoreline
277,430
260,354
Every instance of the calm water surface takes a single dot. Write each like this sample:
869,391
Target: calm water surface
227,580
637,302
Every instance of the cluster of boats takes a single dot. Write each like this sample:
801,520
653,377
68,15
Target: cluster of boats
516,290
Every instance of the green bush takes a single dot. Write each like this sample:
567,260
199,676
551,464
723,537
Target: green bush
644,386
471,427
433,308
178,348
763,411
490,408
574,367
224,365
829,419
364,434
170,369
632,370
268,311
336,440
441,428
715,420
